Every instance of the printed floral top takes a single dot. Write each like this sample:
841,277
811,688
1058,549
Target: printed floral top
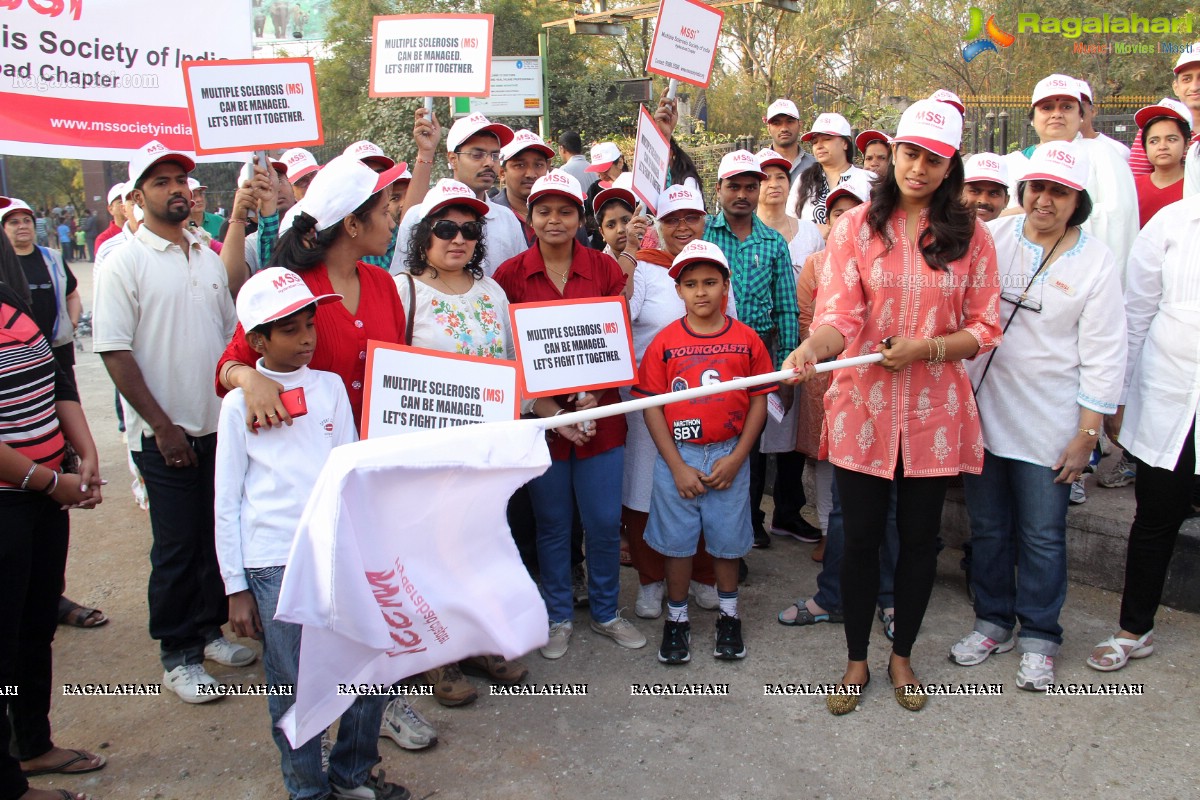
473,324
925,413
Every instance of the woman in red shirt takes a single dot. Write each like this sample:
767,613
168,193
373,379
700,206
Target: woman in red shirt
342,219
1166,130
587,460
913,275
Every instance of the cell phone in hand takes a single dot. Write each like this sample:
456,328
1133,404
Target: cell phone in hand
293,403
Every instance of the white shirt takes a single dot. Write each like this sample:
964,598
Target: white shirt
474,324
107,247
1070,354
264,479
808,240
807,208
1162,301
1191,171
1121,149
174,312
502,235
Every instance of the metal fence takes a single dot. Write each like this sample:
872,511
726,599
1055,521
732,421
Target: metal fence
1000,123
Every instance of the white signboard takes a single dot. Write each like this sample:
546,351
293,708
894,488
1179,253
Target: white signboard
566,346
423,55
651,154
685,41
516,90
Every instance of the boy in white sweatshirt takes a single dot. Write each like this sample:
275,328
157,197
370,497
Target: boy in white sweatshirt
264,477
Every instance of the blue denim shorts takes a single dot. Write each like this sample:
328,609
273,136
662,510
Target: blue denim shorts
724,516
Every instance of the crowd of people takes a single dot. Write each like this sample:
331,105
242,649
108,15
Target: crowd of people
1024,307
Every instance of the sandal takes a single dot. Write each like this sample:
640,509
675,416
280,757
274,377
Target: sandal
75,615
65,795
889,624
62,768
806,617
1121,650
496,668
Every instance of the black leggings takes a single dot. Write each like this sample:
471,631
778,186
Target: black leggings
865,501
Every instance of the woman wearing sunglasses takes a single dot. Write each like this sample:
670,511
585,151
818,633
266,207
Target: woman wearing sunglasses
1042,398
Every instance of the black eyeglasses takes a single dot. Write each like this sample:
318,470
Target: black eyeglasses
1022,301
445,229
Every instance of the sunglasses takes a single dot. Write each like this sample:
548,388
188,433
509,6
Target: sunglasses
445,229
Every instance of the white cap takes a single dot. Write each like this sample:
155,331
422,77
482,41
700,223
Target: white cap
986,167
274,293
285,224
679,198
781,106
194,184
604,155
468,126
926,124
13,206
947,96
342,186
1061,162
738,162
1167,107
1085,89
769,158
151,153
1190,56
370,154
698,250
620,189
525,140
870,135
1055,85
828,123
406,175
449,192
556,182
117,192
857,186
299,162
138,214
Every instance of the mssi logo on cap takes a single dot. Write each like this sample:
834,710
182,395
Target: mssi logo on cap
931,117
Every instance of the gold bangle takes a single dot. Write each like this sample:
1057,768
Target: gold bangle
929,348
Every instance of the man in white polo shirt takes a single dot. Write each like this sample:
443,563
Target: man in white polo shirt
163,317
474,144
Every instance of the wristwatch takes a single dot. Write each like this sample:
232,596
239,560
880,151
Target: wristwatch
1090,431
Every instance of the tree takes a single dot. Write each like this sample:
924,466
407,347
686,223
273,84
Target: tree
45,182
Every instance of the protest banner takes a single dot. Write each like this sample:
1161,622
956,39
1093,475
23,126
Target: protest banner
253,104
515,90
413,389
685,41
96,80
422,55
651,155
566,346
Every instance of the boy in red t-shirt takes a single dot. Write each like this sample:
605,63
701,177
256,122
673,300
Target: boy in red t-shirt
702,477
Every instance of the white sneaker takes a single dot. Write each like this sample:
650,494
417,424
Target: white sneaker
621,631
1036,672
229,654
705,595
405,726
186,681
560,637
649,600
974,648
1078,491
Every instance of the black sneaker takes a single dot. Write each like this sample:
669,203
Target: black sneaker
797,528
761,539
743,570
729,639
676,641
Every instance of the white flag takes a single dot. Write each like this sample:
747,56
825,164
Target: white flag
403,562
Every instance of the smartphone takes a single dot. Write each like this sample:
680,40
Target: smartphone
293,402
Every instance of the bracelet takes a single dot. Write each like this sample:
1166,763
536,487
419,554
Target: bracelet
237,222
929,347
424,161
52,485
28,475
941,349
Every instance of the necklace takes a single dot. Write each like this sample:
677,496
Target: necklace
451,289
561,275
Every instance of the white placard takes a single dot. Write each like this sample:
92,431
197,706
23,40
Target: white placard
423,55
566,346
414,389
651,155
253,104
515,90
685,41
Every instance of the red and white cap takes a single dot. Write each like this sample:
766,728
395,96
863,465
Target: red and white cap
194,184
679,198
769,158
344,184
117,192
737,163
785,107
828,123
449,192
473,124
247,170
986,168
857,186
406,175
1056,85
556,182
1065,163
603,156
1190,56
870,135
13,206
947,96
926,124
274,293
1167,107
370,154
525,140
1085,89
155,152
698,251
298,162
620,189
5,202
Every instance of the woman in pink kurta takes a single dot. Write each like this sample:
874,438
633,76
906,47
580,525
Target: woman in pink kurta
911,275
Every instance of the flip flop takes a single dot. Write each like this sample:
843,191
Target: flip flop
77,616
65,795
806,617
61,769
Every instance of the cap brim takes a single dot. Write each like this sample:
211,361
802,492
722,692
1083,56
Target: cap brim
1045,176
932,145
758,173
782,163
675,269
279,166
288,310
985,179
478,206
389,176
624,195
866,137
1044,97
808,137
1181,67
544,149
534,197
1148,113
178,158
780,114
378,161
600,167
309,170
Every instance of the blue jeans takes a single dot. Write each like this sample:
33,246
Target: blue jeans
357,748
723,516
1019,560
595,484
829,580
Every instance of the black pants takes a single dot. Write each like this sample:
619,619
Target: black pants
523,526
1163,503
33,557
865,501
186,594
